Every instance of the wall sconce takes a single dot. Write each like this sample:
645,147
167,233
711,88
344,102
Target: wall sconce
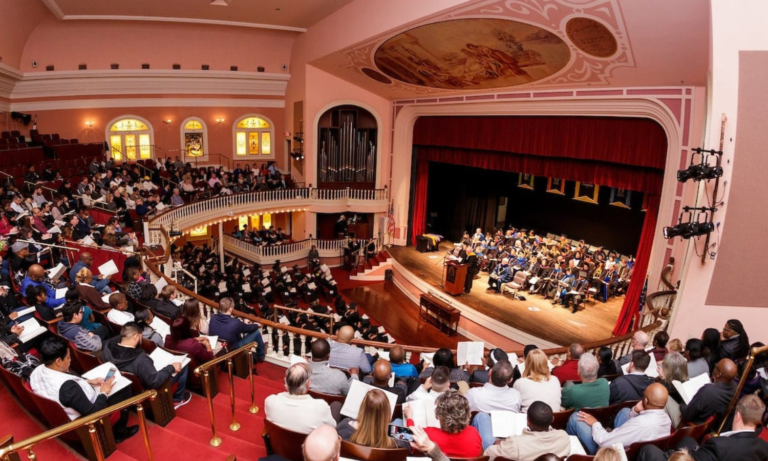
219,121
89,123
167,122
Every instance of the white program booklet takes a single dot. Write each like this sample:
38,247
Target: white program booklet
61,293
578,449
297,359
55,272
651,371
246,272
424,413
105,298
470,353
355,397
428,357
161,282
162,358
108,268
32,329
214,342
87,240
689,388
121,382
246,287
507,423
27,311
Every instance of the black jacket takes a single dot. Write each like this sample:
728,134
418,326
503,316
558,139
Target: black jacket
136,361
629,387
164,308
742,446
711,399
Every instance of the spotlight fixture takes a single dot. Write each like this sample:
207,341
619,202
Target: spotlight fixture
297,155
692,228
703,170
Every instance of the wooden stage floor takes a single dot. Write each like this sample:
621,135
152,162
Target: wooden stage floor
550,323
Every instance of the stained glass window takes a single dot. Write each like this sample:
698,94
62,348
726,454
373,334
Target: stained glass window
253,122
240,142
266,143
145,150
266,220
201,231
193,125
116,141
129,124
253,143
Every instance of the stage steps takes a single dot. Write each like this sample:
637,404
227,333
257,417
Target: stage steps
374,269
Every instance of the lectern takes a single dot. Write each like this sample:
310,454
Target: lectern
455,274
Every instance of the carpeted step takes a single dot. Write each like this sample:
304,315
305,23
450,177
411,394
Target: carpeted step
373,262
383,256
120,456
246,443
263,389
367,266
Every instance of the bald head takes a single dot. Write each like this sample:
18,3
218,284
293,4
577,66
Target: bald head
725,371
86,257
345,334
322,444
381,372
656,396
36,272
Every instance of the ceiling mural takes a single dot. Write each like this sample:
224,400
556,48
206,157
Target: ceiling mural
491,44
469,54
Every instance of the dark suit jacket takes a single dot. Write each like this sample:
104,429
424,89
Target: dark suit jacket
629,387
165,308
711,399
742,446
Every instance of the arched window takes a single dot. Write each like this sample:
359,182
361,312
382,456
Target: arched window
194,139
130,138
253,137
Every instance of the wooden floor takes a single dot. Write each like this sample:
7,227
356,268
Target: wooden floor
389,306
551,323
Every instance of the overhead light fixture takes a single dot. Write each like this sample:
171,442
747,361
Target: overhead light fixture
219,121
219,3
167,121
89,123
692,228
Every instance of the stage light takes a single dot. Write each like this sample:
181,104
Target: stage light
692,228
699,172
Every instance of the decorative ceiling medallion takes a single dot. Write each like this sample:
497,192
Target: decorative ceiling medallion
376,75
472,54
591,37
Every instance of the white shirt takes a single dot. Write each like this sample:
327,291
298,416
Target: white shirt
119,317
298,413
641,427
530,391
423,394
490,398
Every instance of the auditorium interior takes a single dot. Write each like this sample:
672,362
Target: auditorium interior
432,174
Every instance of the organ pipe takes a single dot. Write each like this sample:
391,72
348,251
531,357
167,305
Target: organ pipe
347,154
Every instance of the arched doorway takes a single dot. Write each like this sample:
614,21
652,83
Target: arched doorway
130,139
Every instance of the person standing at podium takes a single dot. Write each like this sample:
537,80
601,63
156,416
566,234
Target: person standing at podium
474,267
340,228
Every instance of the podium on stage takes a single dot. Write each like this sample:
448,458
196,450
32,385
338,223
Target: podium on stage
455,275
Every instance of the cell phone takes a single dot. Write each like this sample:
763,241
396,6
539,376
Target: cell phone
400,433
110,374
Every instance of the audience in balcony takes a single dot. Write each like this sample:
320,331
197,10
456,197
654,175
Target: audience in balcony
88,292
496,395
166,303
673,368
191,312
569,370
631,386
537,383
537,439
125,353
234,331
734,343
455,437
592,392
444,358
713,399
400,367
183,340
380,377
344,355
294,409
433,386
370,427
647,420
324,378
639,342
69,327
660,349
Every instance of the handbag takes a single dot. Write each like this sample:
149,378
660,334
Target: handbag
21,365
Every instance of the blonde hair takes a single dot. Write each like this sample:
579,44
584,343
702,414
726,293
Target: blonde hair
84,275
373,421
675,345
536,368
608,454
681,455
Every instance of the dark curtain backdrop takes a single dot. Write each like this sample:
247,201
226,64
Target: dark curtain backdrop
632,299
420,200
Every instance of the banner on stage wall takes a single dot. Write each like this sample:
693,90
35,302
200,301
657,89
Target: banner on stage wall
525,181
556,186
620,198
586,192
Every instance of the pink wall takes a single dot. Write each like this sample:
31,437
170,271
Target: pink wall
735,27
18,18
71,124
66,44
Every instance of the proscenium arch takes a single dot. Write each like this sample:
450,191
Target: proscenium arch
648,108
311,167
255,158
141,119
183,130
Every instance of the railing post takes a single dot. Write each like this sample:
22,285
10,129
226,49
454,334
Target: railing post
234,426
143,428
95,442
215,440
254,409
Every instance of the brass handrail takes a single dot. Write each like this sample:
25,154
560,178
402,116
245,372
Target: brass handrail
89,421
747,366
204,369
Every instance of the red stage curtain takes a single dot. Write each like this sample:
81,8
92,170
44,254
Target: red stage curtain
632,298
647,180
626,141
420,200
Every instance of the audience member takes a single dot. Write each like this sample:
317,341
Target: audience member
537,384
607,365
673,368
496,394
294,409
609,454
697,364
645,421
370,428
69,328
455,437
100,283
734,342
632,386
322,444
324,378
494,355
444,358
181,340
713,399
229,329
382,372
639,343
569,370
401,368
660,350
593,392
537,439
433,387
346,356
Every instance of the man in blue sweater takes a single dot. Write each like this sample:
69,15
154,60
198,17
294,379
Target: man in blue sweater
101,284
231,329
35,277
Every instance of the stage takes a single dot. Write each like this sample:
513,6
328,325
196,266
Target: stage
556,324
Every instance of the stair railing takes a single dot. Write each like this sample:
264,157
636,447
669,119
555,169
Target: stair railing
204,371
90,421
308,312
